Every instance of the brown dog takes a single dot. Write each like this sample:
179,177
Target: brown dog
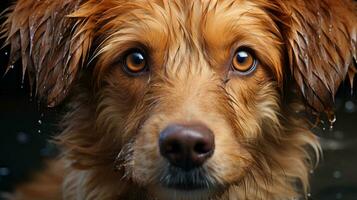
180,99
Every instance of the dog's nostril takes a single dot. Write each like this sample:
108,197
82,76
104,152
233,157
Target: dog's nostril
202,148
186,146
173,148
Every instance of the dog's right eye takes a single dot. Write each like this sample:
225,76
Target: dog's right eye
135,62
244,62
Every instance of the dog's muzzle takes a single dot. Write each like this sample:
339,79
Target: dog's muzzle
186,147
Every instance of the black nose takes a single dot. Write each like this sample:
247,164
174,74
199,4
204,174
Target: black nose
186,145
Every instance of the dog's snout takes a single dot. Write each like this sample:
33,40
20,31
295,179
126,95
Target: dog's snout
186,146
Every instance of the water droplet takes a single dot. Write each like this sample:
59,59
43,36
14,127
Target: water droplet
6,53
38,131
4,171
22,138
319,36
330,28
332,119
22,86
39,122
308,194
337,174
11,66
350,107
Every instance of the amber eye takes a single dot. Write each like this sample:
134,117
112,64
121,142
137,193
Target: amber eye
135,62
244,62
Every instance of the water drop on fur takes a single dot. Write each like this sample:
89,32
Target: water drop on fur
332,120
22,83
6,53
323,125
39,122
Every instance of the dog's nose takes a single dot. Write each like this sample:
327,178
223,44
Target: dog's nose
186,146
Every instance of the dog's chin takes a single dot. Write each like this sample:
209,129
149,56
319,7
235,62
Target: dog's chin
164,193
177,184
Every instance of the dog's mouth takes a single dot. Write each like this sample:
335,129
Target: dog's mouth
192,180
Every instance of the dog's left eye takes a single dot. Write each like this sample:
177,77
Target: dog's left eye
135,62
244,62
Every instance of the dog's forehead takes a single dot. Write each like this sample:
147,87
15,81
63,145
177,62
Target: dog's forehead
189,18
216,25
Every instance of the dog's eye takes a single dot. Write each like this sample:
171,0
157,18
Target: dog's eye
135,62
244,62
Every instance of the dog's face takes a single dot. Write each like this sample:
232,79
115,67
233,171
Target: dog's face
161,67
186,97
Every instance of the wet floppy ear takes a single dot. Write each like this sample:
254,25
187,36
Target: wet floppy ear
321,39
52,42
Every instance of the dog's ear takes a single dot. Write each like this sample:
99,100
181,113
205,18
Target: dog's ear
52,42
321,39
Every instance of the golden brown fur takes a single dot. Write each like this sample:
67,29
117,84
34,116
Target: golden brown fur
264,149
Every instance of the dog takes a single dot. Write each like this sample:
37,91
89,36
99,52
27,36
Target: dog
183,99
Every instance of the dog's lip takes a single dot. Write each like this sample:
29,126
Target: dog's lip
181,180
186,186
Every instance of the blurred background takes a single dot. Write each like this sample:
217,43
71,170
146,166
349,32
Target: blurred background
25,128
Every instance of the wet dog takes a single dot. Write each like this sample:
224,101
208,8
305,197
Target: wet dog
183,99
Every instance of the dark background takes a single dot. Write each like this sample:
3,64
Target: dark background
25,128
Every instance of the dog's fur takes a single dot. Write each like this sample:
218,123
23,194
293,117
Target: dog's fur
264,149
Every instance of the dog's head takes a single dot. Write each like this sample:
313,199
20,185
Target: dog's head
195,96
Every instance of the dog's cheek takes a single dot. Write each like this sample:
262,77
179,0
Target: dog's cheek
117,111
147,164
230,159
255,111
256,101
